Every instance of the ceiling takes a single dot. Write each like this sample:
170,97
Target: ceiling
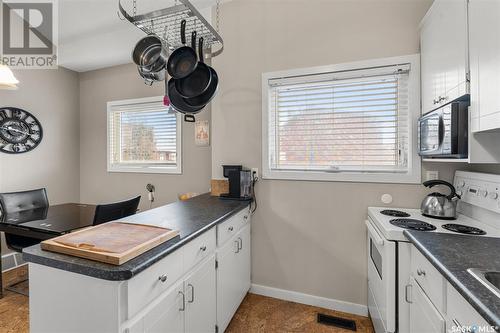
92,36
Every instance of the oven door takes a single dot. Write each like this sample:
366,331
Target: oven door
431,132
381,280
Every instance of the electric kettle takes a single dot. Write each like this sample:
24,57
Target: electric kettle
438,205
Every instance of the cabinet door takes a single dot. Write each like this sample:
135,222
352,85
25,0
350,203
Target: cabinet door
201,299
484,40
453,48
432,79
424,317
167,315
228,284
244,261
443,43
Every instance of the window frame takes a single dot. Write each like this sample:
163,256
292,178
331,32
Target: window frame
144,167
413,176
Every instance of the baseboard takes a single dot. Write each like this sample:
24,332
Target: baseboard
323,302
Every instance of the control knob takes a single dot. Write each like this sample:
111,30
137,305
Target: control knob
484,193
493,195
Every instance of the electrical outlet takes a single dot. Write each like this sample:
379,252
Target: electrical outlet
255,172
431,175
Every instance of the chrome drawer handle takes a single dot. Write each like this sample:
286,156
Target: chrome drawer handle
162,278
183,301
237,246
420,272
240,244
230,228
192,293
203,248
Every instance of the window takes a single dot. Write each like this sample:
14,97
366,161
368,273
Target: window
143,137
348,122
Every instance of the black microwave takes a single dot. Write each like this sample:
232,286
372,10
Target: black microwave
444,132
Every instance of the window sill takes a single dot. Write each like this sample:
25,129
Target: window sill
146,169
355,177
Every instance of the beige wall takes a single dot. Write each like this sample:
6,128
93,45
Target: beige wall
96,184
52,97
307,236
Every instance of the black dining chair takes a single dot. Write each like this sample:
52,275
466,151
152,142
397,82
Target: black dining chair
114,211
15,202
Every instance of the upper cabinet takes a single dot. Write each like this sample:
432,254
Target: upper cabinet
444,58
484,49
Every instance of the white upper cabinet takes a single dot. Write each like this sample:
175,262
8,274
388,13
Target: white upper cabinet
484,48
444,57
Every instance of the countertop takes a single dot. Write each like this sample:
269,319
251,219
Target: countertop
452,255
192,218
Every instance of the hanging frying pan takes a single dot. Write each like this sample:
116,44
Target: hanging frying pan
198,81
179,104
211,91
183,61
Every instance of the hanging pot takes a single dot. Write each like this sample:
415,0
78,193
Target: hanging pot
182,62
150,77
149,54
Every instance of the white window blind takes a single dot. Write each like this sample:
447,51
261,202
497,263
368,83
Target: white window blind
142,136
356,121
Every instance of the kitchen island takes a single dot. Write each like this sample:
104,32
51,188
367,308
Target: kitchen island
174,287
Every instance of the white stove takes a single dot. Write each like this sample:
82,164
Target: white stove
395,233
389,250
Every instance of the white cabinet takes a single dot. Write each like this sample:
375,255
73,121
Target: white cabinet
461,316
435,305
444,53
484,48
200,314
165,315
233,275
424,317
187,307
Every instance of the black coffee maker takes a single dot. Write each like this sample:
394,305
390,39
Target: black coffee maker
240,182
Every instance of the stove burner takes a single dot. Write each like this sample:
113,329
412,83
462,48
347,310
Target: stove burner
464,229
412,224
395,213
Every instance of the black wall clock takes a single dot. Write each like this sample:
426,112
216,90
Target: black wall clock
20,131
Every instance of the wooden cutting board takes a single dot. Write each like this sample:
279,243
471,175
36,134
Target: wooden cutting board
113,242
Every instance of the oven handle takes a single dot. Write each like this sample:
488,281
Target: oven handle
376,236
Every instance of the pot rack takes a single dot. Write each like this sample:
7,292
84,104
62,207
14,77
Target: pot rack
165,23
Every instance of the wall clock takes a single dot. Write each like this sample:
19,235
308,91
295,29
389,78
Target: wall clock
20,131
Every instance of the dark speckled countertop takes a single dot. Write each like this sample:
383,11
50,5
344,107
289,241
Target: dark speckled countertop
192,218
453,254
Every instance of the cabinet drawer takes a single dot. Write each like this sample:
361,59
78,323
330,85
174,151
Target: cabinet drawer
428,277
150,283
231,226
461,313
199,249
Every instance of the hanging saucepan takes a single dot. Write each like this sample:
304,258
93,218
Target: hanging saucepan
198,81
210,92
150,77
149,54
182,62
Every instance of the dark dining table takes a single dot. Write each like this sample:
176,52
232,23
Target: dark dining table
46,223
